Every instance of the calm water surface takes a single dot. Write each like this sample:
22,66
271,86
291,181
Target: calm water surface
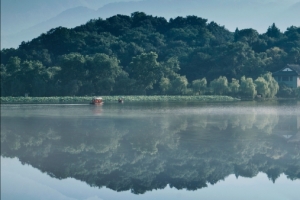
241,150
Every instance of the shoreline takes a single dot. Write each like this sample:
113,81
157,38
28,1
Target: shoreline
131,98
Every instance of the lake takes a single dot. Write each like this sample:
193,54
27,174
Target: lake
171,150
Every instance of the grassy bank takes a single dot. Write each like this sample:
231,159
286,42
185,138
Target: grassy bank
83,100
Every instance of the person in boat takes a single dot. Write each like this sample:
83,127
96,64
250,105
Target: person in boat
97,100
120,100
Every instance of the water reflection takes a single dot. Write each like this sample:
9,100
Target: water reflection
141,147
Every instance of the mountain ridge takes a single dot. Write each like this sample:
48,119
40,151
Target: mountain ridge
226,13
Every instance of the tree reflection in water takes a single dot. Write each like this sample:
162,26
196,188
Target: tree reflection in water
141,148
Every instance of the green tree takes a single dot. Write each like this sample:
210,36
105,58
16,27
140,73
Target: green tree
234,86
124,85
53,72
276,57
272,84
3,77
72,67
179,85
29,72
220,85
102,66
199,86
262,87
103,71
52,80
231,60
17,88
145,70
266,85
297,92
170,67
286,91
247,35
171,82
39,87
294,56
72,88
273,31
87,88
13,65
247,87
164,85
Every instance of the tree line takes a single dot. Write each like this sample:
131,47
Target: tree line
142,54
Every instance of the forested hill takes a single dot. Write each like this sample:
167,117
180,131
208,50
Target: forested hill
142,54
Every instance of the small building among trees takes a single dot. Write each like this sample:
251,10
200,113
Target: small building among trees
289,75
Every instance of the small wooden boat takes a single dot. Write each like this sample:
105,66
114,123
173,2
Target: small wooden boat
97,101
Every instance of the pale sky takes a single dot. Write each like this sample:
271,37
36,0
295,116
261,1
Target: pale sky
23,20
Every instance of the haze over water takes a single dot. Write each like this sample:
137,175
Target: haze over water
189,150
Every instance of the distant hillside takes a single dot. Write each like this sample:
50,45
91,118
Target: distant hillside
25,22
258,14
19,15
69,18
289,16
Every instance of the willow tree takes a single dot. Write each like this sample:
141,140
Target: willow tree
266,85
234,86
164,85
179,85
199,85
272,84
220,85
247,87
262,87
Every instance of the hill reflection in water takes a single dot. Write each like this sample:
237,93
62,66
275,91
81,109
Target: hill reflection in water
141,147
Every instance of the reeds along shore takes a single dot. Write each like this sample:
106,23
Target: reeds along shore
83,100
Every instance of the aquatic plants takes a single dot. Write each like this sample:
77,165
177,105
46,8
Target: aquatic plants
87,99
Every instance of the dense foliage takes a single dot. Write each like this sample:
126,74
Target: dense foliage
142,54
